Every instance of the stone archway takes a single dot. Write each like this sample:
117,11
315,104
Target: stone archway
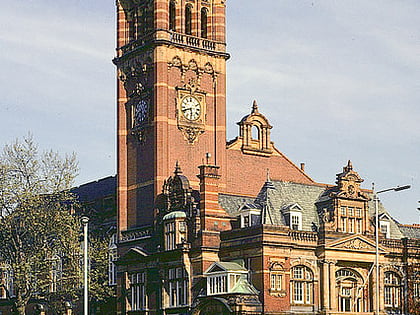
213,306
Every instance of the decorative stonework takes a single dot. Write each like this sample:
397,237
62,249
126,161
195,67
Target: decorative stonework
254,134
191,121
136,75
348,183
356,244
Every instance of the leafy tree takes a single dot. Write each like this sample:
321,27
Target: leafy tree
100,292
38,233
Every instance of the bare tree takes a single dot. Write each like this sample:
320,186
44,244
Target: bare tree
38,233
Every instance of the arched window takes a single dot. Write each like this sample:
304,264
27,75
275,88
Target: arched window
350,291
204,18
277,285
172,16
255,133
392,291
302,285
188,17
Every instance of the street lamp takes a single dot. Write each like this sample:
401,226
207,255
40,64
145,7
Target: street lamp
376,200
85,221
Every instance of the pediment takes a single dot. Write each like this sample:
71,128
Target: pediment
354,243
216,268
134,253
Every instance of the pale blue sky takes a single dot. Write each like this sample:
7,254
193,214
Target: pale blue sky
338,80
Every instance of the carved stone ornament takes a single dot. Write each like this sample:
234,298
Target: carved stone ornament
356,244
191,134
348,184
193,66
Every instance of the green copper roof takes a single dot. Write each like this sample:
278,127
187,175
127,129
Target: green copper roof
244,287
175,215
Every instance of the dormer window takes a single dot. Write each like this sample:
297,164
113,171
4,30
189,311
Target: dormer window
296,221
384,225
250,217
293,214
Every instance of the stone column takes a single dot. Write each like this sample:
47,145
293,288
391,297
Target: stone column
325,286
333,291
373,291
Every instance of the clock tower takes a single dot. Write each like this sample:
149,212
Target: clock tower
171,65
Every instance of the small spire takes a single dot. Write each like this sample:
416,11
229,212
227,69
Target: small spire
254,107
268,175
177,168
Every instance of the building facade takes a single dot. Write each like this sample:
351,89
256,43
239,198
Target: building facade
207,226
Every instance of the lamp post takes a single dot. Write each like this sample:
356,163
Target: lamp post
85,221
376,200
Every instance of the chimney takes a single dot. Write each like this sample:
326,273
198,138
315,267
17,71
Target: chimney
302,167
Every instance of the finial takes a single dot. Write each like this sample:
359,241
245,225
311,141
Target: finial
177,168
348,167
268,175
254,107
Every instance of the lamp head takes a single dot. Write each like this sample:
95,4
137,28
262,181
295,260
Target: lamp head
399,188
84,220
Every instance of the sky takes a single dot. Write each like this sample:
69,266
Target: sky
338,80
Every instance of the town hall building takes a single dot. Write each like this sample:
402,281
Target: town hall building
207,226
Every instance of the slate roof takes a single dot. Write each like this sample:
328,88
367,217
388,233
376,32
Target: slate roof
285,195
410,231
98,189
233,203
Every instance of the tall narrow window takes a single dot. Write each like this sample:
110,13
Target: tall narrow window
172,15
178,287
204,16
170,235
188,18
137,297
255,133
112,257
392,291
56,274
302,285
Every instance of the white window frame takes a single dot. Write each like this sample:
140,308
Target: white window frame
56,273
178,287
170,235
246,217
295,216
112,258
392,290
138,291
302,288
386,225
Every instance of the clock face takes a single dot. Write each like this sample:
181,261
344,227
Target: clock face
191,108
140,112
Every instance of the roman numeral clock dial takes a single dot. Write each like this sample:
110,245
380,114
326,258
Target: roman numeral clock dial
191,114
191,108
